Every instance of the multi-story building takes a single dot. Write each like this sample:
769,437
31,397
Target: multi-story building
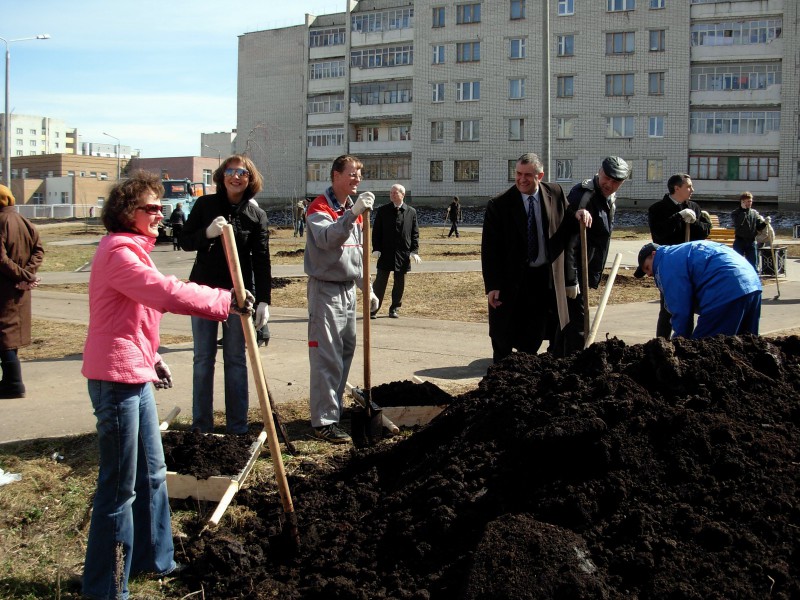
33,135
443,96
219,144
104,149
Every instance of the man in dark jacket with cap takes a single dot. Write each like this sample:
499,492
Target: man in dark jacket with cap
598,196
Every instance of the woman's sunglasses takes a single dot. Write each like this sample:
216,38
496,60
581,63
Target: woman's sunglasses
239,172
151,209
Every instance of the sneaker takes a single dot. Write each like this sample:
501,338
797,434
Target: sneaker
373,315
393,314
331,433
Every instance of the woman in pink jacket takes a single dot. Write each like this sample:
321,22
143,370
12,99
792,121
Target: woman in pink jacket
130,530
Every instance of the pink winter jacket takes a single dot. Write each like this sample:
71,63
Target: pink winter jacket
127,296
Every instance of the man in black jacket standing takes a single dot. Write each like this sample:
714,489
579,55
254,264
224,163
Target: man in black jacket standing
395,243
672,219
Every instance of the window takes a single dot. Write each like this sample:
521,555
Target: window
466,170
385,168
436,167
438,55
566,45
566,7
367,134
468,52
64,197
655,127
565,86
738,76
657,37
386,56
733,168
622,42
33,132
618,5
655,83
438,92
737,33
320,38
318,171
467,91
512,169
756,122
619,127
516,48
326,70
468,131
382,92
563,169
516,129
565,127
400,133
620,84
19,130
438,16
657,3
319,138
326,103
517,9
516,89
399,18
207,174
32,143
437,132
468,13
37,198
655,170
19,142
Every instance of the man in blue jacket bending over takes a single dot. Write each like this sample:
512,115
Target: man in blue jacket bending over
706,278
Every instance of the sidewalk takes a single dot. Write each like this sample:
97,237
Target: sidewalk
57,402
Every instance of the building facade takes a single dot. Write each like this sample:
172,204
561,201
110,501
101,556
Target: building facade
443,96
219,144
33,135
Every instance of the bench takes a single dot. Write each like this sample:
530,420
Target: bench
723,235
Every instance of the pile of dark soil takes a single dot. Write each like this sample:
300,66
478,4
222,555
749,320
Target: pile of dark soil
280,282
408,393
663,470
297,252
204,455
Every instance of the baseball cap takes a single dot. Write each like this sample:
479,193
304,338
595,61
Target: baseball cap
646,251
616,168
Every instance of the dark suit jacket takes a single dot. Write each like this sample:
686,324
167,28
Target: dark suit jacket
505,242
395,236
668,228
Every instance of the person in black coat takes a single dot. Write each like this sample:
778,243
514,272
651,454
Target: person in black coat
670,219
177,220
395,243
238,181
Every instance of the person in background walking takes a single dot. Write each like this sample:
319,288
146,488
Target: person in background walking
395,243
237,181
299,218
21,254
747,224
668,220
454,216
177,220
130,530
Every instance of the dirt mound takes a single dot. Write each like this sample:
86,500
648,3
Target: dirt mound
204,455
664,470
409,393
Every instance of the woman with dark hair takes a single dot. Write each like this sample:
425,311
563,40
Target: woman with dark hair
130,531
238,181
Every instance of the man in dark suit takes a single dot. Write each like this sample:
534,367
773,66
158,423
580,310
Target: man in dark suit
525,230
395,243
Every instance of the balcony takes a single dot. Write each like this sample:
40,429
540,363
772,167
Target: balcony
732,189
769,142
324,152
328,85
380,111
317,119
738,53
770,96
731,10
359,75
378,38
363,148
319,52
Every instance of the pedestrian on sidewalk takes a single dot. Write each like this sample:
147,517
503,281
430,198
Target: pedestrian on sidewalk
238,181
454,215
395,243
334,264
706,278
748,224
21,254
177,220
668,220
130,530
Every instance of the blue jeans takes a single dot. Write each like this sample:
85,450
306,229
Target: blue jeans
234,359
130,531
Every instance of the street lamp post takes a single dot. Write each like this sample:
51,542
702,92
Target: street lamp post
219,153
6,124
116,138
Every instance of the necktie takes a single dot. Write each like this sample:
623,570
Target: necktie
533,232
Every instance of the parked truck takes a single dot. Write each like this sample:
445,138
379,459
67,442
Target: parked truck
184,191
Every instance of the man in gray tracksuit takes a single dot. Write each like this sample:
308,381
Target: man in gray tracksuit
333,263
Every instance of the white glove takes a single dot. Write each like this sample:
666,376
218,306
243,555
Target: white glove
705,216
262,315
768,220
247,309
364,202
215,229
573,291
373,302
687,214
415,257
376,254
164,376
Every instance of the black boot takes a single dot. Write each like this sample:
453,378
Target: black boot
11,386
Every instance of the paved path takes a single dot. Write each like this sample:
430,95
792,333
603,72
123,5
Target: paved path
57,403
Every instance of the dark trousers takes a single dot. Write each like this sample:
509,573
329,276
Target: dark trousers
664,325
738,317
12,373
525,321
398,287
570,339
177,229
453,229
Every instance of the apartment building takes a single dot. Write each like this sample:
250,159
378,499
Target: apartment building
443,96
34,135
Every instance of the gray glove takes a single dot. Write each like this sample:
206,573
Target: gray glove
262,315
687,214
374,303
365,201
164,376
247,309
573,291
215,229
376,254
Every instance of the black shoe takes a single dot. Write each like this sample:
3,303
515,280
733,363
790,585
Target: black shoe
373,315
8,393
393,314
331,433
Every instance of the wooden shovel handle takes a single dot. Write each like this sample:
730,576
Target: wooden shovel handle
366,308
585,281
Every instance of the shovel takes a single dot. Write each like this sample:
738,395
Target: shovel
585,282
603,301
367,424
260,380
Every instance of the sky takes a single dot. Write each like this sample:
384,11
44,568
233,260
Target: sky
155,74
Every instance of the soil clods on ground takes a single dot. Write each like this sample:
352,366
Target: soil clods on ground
669,470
